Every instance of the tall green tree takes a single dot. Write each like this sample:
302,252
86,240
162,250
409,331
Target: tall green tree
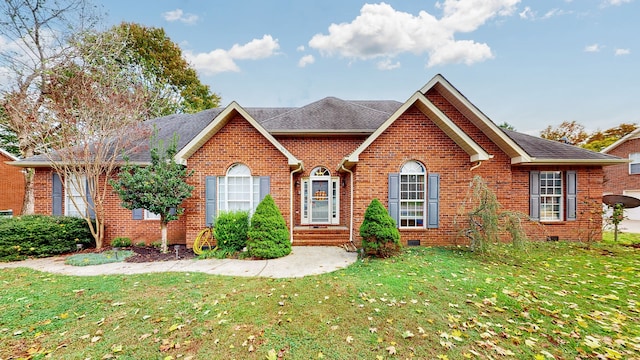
159,188
601,139
165,71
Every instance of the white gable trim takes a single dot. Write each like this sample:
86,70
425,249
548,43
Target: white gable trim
635,134
475,151
479,119
218,123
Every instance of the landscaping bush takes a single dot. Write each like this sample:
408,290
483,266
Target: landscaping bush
380,237
121,242
231,230
42,236
268,235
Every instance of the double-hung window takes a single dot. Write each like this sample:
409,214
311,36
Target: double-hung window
550,196
634,165
553,195
75,193
412,195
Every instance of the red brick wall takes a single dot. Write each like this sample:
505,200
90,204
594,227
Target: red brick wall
617,178
322,151
118,220
11,186
236,142
423,141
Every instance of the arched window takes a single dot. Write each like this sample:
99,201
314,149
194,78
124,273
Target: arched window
238,191
412,194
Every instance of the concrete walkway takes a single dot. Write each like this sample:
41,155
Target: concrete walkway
303,261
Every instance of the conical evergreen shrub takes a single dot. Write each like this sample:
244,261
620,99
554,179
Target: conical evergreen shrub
380,236
268,234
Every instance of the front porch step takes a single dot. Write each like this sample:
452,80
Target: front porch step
320,235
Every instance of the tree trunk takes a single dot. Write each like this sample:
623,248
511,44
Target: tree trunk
163,230
28,202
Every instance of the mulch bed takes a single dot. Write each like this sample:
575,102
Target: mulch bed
149,254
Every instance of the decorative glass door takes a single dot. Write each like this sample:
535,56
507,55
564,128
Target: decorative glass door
320,198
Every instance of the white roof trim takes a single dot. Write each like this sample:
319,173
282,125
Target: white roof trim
220,121
475,151
630,136
496,133
8,154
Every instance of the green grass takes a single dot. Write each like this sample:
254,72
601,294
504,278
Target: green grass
104,257
558,300
623,237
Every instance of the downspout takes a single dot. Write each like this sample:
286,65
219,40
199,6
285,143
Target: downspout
291,186
351,202
476,166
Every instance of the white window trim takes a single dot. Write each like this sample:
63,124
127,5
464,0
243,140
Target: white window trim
560,196
635,160
148,215
223,197
424,195
69,191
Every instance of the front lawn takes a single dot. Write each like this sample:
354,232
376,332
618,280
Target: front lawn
558,301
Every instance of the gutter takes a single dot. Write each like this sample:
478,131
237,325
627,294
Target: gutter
351,202
291,185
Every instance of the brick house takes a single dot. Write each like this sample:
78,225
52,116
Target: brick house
11,185
324,162
625,178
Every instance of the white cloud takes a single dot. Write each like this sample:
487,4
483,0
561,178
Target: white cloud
179,15
527,13
621,52
615,2
383,32
555,12
300,48
593,48
306,60
387,65
220,60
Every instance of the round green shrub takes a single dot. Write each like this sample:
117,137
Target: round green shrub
268,235
380,237
231,230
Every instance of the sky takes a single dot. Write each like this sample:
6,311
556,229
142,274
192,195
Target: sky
530,63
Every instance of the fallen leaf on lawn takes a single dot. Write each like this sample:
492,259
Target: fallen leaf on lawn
407,334
391,349
349,339
95,339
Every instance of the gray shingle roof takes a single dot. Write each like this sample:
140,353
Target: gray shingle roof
540,148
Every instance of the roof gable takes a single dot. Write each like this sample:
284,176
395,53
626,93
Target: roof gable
218,123
475,151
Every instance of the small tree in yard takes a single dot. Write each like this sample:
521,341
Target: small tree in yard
159,188
268,234
380,236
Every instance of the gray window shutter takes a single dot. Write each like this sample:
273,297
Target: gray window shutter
90,207
394,197
534,195
265,186
433,201
172,211
210,200
572,192
56,195
137,214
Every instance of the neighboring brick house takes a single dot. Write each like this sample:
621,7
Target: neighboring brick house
11,185
323,163
624,178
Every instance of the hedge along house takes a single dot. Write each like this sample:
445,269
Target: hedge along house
323,163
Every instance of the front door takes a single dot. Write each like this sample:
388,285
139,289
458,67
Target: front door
320,197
